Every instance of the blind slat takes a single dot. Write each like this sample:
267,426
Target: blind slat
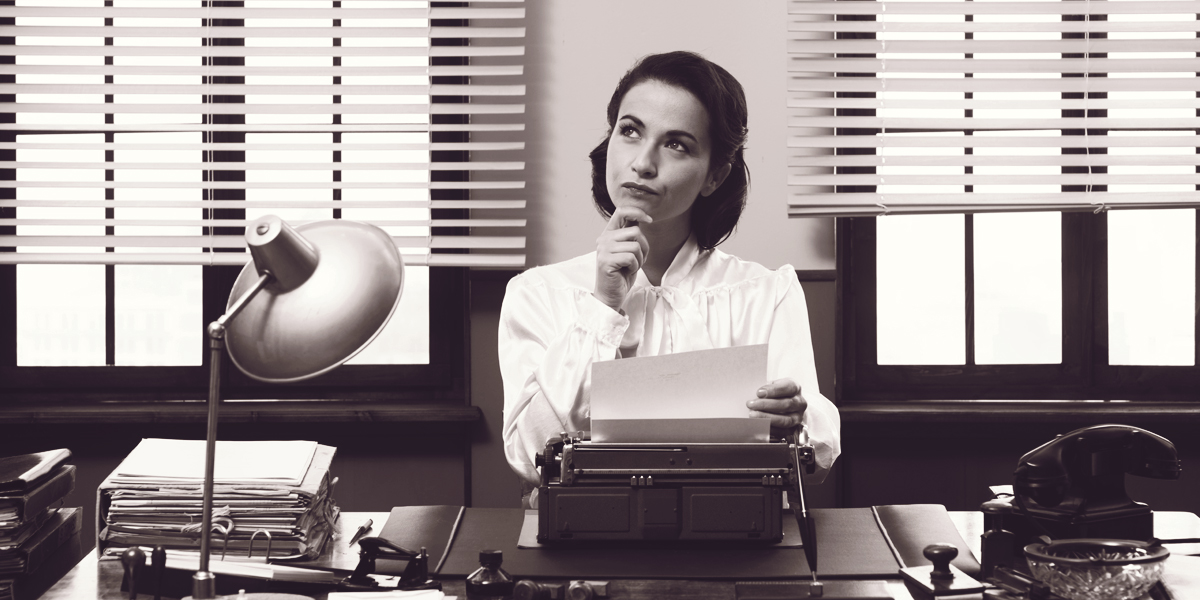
300,13
247,222
1141,7
977,46
1092,179
309,147
278,166
1014,123
282,185
801,26
267,204
266,89
267,109
242,71
260,127
238,241
1093,200
1076,85
1096,159
282,50
829,103
510,261
199,32
1043,65
1018,141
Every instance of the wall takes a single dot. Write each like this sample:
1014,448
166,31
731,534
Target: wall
577,51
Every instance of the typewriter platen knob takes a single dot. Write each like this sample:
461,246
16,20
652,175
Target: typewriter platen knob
587,590
532,590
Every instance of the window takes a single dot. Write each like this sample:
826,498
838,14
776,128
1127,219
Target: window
141,136
1018,185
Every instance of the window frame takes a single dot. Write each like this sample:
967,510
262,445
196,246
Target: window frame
1084,373
444,380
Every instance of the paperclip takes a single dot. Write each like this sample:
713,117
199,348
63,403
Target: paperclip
250,549
224,531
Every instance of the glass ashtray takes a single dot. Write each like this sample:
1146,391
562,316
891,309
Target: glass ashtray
1097,569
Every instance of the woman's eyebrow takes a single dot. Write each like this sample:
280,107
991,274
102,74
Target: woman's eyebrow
636,121
672,133
681,133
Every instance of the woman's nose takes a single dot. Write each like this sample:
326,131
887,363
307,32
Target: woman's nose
644,163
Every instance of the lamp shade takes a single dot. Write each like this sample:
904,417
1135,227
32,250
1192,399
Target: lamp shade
334,285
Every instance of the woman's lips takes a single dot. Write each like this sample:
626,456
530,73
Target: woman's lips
638,190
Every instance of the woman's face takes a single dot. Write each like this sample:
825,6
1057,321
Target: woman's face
658,155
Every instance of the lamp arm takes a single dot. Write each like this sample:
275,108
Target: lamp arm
203,583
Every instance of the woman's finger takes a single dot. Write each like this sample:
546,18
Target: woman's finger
778,421
779,406
624,215
780,388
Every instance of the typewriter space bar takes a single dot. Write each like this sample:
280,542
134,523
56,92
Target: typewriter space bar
694,471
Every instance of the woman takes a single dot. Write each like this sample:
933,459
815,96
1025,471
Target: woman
672,182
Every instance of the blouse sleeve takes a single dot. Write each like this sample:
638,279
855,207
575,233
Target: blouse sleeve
545,364
790,354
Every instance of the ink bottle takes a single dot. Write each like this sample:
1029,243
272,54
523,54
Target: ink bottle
489,581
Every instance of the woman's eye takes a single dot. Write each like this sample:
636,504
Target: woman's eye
629,131
677,145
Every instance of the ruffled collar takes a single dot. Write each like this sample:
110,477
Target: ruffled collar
681,267
662,318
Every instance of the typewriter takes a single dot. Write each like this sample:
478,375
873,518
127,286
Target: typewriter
656,491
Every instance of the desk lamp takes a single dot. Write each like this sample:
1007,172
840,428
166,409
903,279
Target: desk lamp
311,298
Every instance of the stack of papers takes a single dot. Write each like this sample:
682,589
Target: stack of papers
267,495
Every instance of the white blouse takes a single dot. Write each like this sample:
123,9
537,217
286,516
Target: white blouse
552,329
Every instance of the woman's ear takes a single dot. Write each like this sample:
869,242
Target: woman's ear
715,179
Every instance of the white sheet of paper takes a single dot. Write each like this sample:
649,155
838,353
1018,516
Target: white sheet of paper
237,462
690,397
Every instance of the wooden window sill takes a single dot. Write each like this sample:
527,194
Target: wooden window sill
239,411
1082,412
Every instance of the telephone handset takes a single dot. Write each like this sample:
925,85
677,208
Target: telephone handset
1074,485
1087,466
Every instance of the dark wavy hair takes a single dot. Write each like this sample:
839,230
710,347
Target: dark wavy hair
715,216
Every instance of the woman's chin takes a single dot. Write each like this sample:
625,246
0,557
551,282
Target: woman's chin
623,201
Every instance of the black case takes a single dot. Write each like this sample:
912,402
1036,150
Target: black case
693,492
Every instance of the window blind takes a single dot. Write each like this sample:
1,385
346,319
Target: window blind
153,131
987,106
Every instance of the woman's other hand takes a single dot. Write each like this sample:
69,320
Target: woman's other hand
620,251
780,401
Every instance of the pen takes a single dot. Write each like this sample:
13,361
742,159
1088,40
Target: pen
808,533
362,531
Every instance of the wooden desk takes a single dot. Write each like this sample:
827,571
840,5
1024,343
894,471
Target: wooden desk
93,578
